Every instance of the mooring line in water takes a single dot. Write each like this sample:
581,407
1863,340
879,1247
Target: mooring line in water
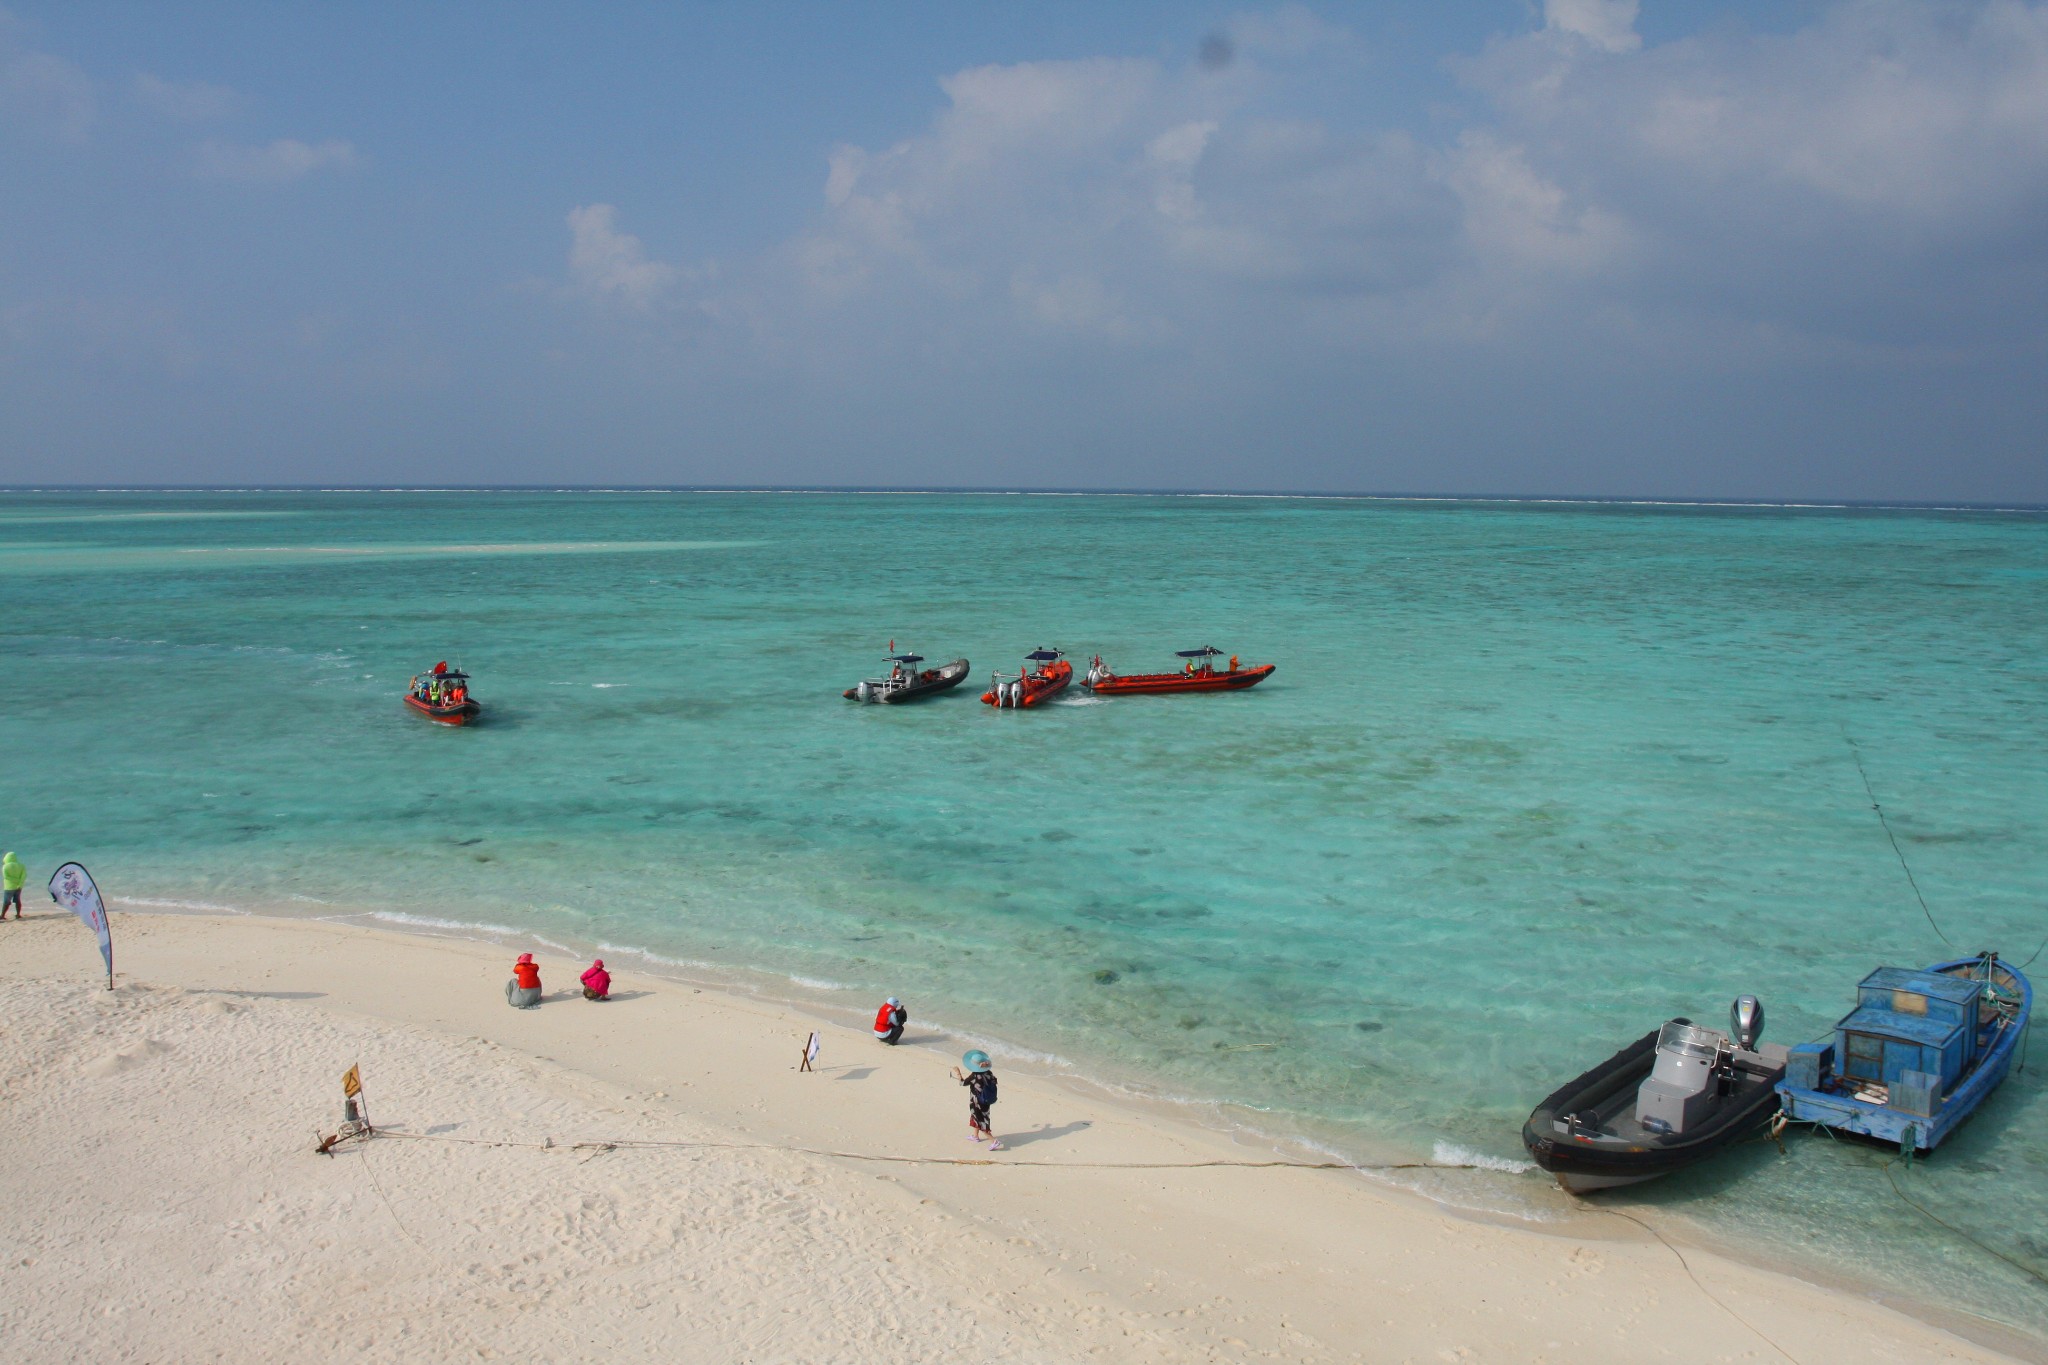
1700,1285
1856,753
1939,1221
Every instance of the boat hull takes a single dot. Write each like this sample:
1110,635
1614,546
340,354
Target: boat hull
446,715
1037,686
1155,683
929,683
1922,1132
1586,1160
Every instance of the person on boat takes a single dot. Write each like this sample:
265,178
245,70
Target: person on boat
890,1019
980,1080
523,991
13,876
1233,663
597,982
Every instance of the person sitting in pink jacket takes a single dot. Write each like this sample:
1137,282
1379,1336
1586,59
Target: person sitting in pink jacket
597,982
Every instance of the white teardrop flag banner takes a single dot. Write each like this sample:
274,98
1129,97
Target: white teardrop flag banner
73,888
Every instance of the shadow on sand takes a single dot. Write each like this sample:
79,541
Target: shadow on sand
1043,1133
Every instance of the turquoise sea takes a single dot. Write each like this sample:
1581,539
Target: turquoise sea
1530,779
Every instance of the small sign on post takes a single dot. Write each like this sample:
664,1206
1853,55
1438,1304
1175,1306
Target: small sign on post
352,1089
810,1052
355,1113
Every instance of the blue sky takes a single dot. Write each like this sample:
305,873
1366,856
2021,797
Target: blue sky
1574,247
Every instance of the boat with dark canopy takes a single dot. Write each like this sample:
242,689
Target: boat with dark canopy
1673,1097
1046,674
905,682
443,695
1198,674
1919,1053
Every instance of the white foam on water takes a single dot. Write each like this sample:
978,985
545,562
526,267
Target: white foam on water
154,904
659,960
431,922
811,983
1453,1154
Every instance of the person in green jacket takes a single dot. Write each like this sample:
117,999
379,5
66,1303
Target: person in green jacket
13,876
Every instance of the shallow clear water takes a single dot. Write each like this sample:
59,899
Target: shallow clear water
1530,779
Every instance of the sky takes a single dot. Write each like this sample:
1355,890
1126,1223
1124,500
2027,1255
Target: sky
1781,250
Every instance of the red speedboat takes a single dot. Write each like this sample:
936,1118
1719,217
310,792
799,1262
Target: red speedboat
443,695
1198,674
1045,674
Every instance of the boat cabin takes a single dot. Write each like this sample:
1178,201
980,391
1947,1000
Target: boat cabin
1911,1037
1908,1020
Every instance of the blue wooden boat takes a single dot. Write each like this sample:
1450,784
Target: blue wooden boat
1920,1051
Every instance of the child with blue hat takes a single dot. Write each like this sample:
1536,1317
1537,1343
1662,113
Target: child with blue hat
980,1080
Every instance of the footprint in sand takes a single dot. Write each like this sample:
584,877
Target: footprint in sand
128,1058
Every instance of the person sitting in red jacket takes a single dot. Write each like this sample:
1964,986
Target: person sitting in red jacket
523,991
597,982
890,1019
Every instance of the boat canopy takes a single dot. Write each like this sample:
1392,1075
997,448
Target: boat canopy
906,658
446,675
1206,651
1043,655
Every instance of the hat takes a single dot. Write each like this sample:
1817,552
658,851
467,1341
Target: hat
597,962
892,1000
977,1060
526,958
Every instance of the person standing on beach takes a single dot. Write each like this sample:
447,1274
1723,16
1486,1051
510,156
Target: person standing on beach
13,876
980,1080
523,991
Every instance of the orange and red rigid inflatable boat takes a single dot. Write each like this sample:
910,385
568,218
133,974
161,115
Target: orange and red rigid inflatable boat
1033,685
1199,674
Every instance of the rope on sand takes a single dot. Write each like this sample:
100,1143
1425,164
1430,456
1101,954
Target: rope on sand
599,1146
1700,1285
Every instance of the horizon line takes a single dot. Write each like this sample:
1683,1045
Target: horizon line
910,490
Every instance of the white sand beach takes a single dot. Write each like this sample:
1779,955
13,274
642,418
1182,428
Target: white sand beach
162,1201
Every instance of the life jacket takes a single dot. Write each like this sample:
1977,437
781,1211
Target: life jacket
526,974
887,1019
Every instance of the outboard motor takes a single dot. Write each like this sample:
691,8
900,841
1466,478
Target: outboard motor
1746,1021
866,691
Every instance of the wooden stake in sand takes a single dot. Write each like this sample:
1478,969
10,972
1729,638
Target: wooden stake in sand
810,1052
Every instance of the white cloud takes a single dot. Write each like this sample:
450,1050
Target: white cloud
1867,187
1609,25
1522,222
186,101
608,264
45,93
277,163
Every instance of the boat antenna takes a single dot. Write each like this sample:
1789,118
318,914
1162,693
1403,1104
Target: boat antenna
1856,753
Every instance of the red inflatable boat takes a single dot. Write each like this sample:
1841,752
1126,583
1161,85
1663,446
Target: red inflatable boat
1199,674
1046,674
